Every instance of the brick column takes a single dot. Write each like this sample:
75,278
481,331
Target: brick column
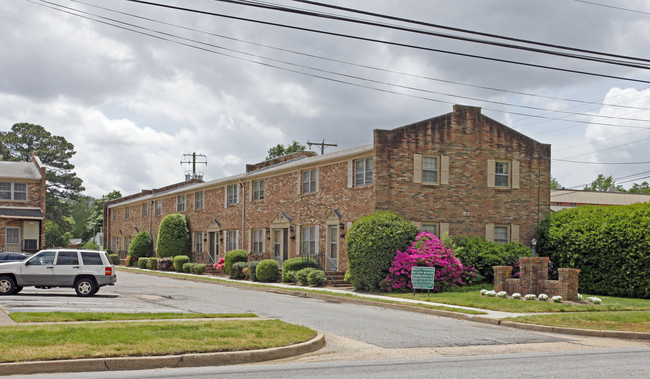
569,277
501,273
533,272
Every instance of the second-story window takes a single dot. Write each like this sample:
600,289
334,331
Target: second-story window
13,191
158,207
309,181
258,189
198,200
180,203
429,169
127,213
233,197
501,174
145,210
363,170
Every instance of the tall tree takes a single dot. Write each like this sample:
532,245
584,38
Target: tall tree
640,188
96,218
604,184
279,150
55,153
554,183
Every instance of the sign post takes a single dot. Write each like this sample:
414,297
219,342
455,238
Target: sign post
422,278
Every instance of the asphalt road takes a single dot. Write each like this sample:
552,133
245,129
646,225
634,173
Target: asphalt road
386,328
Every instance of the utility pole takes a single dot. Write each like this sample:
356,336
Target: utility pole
321,144
194,162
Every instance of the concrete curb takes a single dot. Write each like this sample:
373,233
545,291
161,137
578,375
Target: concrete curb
436,312
169,361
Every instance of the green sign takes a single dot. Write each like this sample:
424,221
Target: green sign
422,277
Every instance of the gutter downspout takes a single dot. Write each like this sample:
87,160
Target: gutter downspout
243,212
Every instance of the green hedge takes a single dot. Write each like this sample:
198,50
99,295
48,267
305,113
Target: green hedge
372,243
173,236
296,264
317,278
483,255
142,245
267,271
115,258
610,245
237,270
152,263
142,262
303,275
179,261
252,268
232,257
197,268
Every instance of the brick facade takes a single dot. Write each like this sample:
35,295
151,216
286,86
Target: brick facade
23,219
462,202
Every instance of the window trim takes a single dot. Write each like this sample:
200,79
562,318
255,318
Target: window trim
198,242
232,198
13,192
145,210
159,208
199,203
437,169
434,224
364,181
312,181
507,175
257,245
258,190
311,244
127,212
179,203
508,235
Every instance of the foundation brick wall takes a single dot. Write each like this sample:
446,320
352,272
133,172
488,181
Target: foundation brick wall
533,279
466,204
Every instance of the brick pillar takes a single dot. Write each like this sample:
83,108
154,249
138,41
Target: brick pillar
501,273
533,272
569,277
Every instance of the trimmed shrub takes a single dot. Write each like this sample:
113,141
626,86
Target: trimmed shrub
252,267
115,258
348,276
179,261
296,264
186,267
317,278
610,245
142,262
152,263
482,254
173,236
237,270
232,257
267,270
303,275
372,243
142,245
197,268
291,277
428,251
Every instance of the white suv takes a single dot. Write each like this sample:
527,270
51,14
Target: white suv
84,270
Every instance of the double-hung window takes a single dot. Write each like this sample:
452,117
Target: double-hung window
309,181
233,242
501,174
309,240
145,210
158,207
232,194
258,241
180,203
258,189
363,171
198,200
501,234
198,242
431,228
127,213
13,191
429,169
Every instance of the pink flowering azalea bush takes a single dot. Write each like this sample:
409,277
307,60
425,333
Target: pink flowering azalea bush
427,250
219,265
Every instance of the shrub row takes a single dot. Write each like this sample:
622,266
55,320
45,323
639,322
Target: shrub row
610,245
193,268
294,265
481,254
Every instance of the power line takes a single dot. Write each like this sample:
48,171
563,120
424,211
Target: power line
610,6
366,39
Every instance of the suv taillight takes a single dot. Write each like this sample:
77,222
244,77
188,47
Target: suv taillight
108,271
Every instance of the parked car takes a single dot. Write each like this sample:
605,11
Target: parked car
12,257
84,270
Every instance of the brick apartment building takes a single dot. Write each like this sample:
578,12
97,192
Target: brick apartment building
22,206
461,173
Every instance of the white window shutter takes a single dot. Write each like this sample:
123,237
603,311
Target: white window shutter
225,241
250,191
225,198
491,166
317,180
317,237
237,236
515,174
250,240
417,168
299,182
298,239
514,233
417,225
444,228
444,170
350,174
489,232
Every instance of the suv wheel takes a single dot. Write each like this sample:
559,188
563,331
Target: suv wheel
85,287
7,285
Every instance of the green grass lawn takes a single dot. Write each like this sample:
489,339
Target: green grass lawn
69,341
88,316
619,321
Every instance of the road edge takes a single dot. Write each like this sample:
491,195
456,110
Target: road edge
168,361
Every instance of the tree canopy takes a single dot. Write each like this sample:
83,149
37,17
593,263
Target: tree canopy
279,150
604,184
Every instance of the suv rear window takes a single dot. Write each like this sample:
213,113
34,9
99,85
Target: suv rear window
91,259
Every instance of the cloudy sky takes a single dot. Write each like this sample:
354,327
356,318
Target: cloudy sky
135,86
